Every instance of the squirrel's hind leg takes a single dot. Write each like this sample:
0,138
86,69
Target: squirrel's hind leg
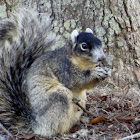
53,109
58,113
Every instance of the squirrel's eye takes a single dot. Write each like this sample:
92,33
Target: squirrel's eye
84,47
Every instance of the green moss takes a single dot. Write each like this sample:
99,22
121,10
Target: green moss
67,25
73,24
2,11
55,23
56,29
62,30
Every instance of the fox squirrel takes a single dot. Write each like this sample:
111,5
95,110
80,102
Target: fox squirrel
37,84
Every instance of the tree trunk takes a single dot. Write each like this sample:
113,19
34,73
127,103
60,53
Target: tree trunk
116,23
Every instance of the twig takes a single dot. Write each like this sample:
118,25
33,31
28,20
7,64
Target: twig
5,130
76,101
131,137
8,8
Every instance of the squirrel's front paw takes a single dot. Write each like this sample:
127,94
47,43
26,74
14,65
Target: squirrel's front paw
102,73
108,70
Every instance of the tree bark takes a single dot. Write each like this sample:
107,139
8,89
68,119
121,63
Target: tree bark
116,23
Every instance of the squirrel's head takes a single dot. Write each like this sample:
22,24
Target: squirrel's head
87,46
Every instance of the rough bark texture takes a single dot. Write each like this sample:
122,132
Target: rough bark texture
116,23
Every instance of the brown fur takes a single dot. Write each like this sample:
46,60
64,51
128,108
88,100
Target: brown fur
37,86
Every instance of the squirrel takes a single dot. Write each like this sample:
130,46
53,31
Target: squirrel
37,84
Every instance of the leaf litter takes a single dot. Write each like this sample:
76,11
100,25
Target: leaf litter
114,114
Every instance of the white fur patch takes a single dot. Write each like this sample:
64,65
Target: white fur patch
97,55
88,30
74,35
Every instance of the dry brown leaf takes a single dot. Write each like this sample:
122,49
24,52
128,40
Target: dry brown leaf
96,120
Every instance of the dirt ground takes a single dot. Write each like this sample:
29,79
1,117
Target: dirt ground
112,113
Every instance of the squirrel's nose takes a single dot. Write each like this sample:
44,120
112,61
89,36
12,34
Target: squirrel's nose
101,58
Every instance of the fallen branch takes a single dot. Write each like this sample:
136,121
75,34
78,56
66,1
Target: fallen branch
76,101
131,137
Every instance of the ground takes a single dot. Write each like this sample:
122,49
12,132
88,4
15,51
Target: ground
113,113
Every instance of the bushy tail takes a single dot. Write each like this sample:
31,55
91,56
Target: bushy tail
23,38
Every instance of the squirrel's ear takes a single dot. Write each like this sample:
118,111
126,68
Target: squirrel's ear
88,30
74,35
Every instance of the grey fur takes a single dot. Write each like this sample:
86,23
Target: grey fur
37,85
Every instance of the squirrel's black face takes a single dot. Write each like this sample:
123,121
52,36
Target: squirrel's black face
86,45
